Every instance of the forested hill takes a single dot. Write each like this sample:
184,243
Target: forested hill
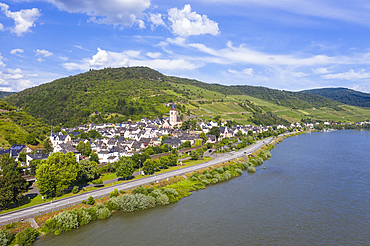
4,94
344,95
136,92
20,127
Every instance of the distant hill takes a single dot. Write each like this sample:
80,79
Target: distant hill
19,127
344,95
119,94
4,94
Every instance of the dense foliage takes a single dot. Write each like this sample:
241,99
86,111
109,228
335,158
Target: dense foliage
344,95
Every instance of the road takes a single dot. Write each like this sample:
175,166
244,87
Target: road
77,199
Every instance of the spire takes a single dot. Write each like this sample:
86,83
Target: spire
173,104
51,132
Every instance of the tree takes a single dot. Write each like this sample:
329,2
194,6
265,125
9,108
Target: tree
12,185
164,137
88,170
47,146
186,144
215,131
164,161
56,173
149,166
22,156
94,157
125,168
139,159
172,159
194,155
81,147
87,149
203,136
30,139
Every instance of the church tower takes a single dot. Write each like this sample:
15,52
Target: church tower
173,115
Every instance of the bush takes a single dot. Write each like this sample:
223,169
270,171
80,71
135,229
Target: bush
3,238
219,170
229,176
205,181
140,190
170,191
226,177
122,191
64,221
218,177
238,171
113,203
102,212
84,202
251,169
75,190
214,181
245,165
126,203
97,181
162,199
194,178
83,216
27,236
114,193
201,177
91,200
208,176
140,202
151,202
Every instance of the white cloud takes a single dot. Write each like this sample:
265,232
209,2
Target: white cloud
14,80
178,41
23,19
15,51
111,12
350,75
105,58
186,23
154,55
141,24
156,19
64,58
1,61
40,60
299,74
248,71
363,88
1,27
44,53
320,70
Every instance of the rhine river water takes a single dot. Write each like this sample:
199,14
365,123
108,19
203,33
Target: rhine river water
315,190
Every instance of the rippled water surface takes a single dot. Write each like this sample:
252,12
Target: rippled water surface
315,190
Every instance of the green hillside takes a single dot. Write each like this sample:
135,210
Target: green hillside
4,94
19,127
119,94
344,95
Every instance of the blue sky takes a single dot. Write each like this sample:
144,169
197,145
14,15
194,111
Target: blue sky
287,44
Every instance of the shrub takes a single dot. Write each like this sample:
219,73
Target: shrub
64,221
194,178
91,200
27,236
245,165
220,170
201,177
229,176
238,171
102,212
218,177
113,203
214,181
114,193
140,190
83,216
84,202
3,238
170,191
97,181
126,203
151,202
226,177
251,169
208,176
141,201
162,199
122,191
75,190
205,181
155,193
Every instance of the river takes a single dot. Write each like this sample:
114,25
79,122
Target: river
315,190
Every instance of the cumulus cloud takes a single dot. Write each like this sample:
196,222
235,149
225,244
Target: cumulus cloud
14,80
40,60
15,51
105,58
154,55
43,53
320,70
1,27
350,75
141,24
111,12
23,19
156,20
186,23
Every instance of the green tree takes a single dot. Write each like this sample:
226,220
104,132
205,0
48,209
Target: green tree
164,161
203,136
186,144
81,147
215,131
94,134
47,146
164,137
22,156
149,167
125,168
172,159
11,182
94,157
87,150
56,173
88,170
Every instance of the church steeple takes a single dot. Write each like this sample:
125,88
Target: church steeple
173,104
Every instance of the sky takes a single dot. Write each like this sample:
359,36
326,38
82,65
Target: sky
288,44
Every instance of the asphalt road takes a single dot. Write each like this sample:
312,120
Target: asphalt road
77,199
